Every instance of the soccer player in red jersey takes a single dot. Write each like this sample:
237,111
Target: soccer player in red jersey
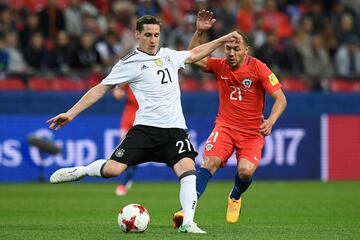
127,120
242,81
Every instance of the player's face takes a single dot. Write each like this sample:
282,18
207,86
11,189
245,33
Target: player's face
235,53
149,38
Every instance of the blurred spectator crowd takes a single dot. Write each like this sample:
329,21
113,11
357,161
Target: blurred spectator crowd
72,44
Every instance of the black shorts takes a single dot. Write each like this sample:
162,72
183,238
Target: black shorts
152,144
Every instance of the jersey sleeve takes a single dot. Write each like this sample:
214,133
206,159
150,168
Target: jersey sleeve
213,64
179,57
268,78
120,73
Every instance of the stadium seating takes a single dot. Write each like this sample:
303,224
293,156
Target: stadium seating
344,85
291,84
39,84
190,85
92,80
356,86
32,5
11,84
209,85
64,84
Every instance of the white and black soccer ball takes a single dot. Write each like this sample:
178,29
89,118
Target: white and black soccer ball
133,218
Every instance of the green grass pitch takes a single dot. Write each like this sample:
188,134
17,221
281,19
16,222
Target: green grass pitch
271,210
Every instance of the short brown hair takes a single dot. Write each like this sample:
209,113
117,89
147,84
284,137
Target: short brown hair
146,19
245,38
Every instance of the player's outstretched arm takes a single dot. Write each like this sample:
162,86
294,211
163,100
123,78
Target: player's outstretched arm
205,49
276,111
204,22
91,97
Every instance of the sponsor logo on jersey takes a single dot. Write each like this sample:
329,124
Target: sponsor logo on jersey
223,77
144,67
208,147
119,152
158,62
273,79
247,83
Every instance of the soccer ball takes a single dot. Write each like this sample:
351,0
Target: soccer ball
133,218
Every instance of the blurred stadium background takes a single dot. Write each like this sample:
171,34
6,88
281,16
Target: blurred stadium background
51,52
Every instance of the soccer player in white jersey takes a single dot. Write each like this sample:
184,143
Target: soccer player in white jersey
159,131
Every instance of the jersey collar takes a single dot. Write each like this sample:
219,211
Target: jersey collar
137,49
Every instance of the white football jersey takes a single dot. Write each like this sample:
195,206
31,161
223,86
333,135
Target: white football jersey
154,81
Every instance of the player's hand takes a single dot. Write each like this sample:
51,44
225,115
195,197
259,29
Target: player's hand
119,93
265,127
233,37
204,20
59,121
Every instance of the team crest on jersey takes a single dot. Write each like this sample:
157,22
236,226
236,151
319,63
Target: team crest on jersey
158,62
119,152
208,147
247,83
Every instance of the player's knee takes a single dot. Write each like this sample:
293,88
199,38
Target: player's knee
184,165
246,169
211,163
245,173
107,172
111,170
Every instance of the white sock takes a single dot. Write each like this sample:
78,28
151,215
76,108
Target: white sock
188,198
93,169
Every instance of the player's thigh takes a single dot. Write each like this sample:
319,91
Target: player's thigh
219,146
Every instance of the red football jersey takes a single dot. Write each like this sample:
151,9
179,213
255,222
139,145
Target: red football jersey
130,109
242,92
